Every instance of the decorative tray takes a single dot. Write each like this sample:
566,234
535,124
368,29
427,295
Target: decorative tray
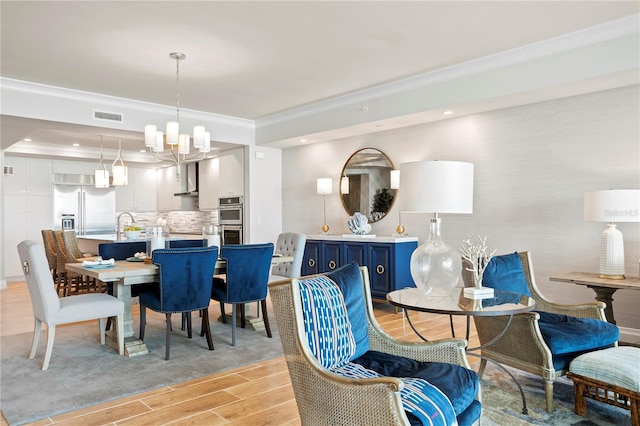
134,259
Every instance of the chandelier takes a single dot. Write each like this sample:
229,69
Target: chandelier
177,149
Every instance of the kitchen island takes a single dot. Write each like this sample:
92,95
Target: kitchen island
90,243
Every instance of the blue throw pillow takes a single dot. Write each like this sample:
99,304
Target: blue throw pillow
505,273
326,324
349,281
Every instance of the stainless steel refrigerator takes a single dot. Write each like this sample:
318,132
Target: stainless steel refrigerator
79,205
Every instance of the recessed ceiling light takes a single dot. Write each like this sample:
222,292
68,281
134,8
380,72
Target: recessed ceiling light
303,140
76,144
26,140
447,112
142,150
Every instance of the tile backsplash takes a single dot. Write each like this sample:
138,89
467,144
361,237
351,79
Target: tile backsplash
186,222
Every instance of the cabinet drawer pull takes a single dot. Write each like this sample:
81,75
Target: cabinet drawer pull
312,262
332,264
380,269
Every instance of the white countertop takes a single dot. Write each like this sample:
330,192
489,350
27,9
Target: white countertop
363,238
112,237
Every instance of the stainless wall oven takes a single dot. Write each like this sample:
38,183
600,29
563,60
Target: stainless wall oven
230,219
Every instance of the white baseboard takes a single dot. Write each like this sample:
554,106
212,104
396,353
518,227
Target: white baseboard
629,335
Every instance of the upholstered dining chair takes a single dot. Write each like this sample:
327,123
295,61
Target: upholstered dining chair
346,370
51,310
246,281
288,244
545,341
184,285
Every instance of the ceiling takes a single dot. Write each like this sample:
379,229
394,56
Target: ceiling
262,59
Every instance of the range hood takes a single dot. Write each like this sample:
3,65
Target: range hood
188,180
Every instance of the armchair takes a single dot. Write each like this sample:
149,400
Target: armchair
346,370
545,341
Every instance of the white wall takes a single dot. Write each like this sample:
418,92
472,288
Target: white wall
263,196
532,167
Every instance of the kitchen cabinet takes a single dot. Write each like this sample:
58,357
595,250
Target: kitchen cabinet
25,216
231,182
28,206
31,176
140,193
209,183
167,185
387,259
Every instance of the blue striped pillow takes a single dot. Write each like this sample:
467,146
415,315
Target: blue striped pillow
326,323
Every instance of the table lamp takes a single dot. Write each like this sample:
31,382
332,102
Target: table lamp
436,187
324,188
614,205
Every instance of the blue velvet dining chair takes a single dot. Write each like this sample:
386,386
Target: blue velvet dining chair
185,277
248,267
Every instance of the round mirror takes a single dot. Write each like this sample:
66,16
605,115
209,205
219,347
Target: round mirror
365,184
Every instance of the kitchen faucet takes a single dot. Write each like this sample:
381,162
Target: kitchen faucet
118,237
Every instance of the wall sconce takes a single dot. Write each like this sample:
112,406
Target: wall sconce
324,188
344,185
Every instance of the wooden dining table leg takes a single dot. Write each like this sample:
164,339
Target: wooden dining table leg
133,346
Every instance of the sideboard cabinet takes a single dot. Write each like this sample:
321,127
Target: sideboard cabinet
387,259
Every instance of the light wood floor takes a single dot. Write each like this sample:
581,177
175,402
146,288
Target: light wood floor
255,395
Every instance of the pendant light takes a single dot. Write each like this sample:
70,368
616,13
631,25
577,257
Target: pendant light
101,174
119,169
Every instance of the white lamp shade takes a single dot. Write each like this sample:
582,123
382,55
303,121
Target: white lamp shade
101,178
436,187
183,144
150,132
198,136
120,175
344,185
614,205
207,143
324,186
159,147
394,179
173,132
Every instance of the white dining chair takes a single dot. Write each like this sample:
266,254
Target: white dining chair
288,244
48,308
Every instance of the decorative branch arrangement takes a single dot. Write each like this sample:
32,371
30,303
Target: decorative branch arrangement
477,255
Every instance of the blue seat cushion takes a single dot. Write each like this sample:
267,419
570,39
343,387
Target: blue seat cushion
568,336
459,384
505,273
349,280
424,404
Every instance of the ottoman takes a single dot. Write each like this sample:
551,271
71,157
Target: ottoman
611,376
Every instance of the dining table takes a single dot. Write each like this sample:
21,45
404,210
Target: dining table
123,274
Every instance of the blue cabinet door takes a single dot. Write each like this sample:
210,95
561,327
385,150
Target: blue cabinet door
381,269
311,262
355,252
331,253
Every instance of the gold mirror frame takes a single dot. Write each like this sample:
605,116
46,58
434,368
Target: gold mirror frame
369,180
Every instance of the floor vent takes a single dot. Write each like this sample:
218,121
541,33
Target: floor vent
111,116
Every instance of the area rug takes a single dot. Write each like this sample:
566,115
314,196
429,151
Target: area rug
83,373
503,406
